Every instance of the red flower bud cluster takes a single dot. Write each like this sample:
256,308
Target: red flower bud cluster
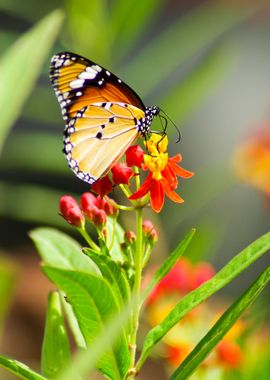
70,211
96,209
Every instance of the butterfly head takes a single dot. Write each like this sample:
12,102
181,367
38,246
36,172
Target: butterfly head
143,124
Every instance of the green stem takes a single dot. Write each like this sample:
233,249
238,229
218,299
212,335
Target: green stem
125,190
137,178
88,239
138,261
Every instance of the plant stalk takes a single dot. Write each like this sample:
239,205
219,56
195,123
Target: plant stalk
138,261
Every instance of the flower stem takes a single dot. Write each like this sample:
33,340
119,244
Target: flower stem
137,178
88,239
138,261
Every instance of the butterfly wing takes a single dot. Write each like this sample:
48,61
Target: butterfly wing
98,136
101,114
78,82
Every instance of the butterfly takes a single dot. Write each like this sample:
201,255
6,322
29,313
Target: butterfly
103,115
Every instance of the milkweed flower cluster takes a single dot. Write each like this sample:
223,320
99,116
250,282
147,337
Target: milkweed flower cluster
162,178
163,172
180,341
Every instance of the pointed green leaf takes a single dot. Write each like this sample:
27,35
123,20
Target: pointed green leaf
133,17
94,304
55,355
19,369
21,65
86,360
59,250
168,263
221,327
73,323
197,296
181,99
115,276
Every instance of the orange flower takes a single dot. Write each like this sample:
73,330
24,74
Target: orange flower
252,159
164,171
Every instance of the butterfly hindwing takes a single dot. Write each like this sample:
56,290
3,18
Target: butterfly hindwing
98,136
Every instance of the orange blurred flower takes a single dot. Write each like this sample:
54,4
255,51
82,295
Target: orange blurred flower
252,159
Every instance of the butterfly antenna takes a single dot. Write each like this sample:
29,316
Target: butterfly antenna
175,126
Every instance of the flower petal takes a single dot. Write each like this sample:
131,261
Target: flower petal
143,190
178,170
170,176
170,192
156,195
177,158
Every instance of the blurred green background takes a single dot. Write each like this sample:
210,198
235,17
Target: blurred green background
205,63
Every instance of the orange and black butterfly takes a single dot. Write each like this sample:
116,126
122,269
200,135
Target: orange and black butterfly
103,115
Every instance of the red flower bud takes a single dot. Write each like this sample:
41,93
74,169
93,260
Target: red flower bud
103,186
129,237
88,201
110,209
134,156
100,203
99,217
149,231
71,211
121,173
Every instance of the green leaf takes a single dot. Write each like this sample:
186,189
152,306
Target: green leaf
181,41
114,275
94,304
221,327
115,236
168,263
73,323
55,354
197,296
8,280
133,17
61,251
86,360
21,65
19,369
91,19
180,100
